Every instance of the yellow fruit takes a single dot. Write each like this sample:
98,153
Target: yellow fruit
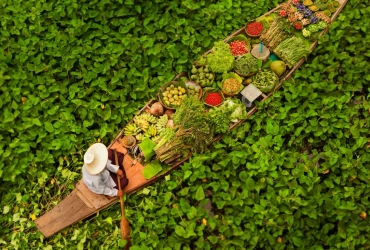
176,97
363,215
280,240
204,222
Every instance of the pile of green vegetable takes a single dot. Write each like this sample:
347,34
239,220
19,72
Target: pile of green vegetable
265,80
202,76
291,50
220,60
191,131
231,110
247,64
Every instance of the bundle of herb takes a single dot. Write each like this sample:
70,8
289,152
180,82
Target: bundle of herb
220,60
278,31
192,131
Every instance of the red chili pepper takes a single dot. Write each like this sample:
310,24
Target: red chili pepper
238,48
254,28
298,26
213,99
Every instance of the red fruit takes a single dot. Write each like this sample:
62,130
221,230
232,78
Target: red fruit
238,48
213,99
283,13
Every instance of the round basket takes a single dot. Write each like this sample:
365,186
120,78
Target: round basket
243,38
163,88
128,137
228,94
250,35
196,85
212,90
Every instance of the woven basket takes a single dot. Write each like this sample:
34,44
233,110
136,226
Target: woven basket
250,35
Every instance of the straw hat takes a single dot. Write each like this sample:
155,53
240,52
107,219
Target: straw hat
95,158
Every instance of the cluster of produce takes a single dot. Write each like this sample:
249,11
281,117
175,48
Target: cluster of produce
220,60
246,64
230,110
265,80
254,28
238,48
291,50
307,14
173,96
144,126
202,76
192,131
277,32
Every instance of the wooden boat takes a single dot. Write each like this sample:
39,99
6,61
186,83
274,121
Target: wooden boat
82,203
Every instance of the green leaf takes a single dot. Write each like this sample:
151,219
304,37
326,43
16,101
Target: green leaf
199,195
6,209
36,121
108,220
180,231
250,184
297,241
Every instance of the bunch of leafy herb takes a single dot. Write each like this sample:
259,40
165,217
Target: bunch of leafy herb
192,131
221,59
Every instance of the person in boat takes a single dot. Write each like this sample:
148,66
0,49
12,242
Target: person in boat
100,170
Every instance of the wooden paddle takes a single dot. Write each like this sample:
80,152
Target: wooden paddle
125,226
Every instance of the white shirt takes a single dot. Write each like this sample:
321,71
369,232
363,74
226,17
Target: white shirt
101,183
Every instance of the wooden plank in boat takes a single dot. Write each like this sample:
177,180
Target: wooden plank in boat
71,210
97,200
84,199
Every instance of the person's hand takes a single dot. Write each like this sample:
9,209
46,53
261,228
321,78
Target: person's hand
120,173
119,193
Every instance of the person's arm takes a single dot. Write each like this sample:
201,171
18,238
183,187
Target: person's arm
99,188
114,168
111,167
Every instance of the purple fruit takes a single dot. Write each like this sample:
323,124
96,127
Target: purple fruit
314,19
301,7
307,13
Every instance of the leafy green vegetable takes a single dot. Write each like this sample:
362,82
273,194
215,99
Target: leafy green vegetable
220,60
151,169
230,111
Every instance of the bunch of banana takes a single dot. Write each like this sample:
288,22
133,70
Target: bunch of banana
139,137
152,130
132,129
141,122
161,123
150,118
